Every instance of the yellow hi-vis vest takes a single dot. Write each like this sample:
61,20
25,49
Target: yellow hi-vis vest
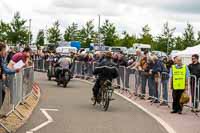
179,77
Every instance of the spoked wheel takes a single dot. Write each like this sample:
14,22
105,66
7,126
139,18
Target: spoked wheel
105,100
67,78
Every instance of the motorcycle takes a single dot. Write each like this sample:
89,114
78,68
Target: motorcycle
63,77
51,70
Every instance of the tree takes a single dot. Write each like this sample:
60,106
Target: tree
40,38
146,37
53,33
128,40
87,34
71,32
165,42
108,30
18,33
179,43
4,29
198,38
188,37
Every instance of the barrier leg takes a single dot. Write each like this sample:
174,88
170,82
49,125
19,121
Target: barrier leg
19,113
7,130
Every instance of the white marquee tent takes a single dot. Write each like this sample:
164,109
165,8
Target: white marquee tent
186,54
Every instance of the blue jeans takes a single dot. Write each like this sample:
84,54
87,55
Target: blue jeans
137,81
127,76
151,85
165,90
144,82
120,79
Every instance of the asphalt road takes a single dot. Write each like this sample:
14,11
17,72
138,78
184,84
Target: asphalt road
77,114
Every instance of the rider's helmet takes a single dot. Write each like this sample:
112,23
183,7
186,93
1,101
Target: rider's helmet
108,55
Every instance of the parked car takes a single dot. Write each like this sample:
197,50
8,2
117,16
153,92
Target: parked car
142,47
119,49
160,53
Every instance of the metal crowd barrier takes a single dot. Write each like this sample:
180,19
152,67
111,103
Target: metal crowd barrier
137,83
41,64
14,91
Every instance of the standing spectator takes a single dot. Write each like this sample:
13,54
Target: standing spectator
179,75
144,74
139,57
122,60
24,56
136,66
121,63
129,71
156,71
169,63
3,70
10,55
115,58
144,77
151,81
195,70
164,82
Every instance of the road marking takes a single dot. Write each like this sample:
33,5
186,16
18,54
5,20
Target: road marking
158,119
49,120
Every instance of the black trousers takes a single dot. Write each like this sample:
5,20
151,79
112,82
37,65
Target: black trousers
97,86
176,94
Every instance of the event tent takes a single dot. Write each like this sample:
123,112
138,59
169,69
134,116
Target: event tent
187,53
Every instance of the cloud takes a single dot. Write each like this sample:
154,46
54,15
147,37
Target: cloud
84,7
129,15
177,6
5,6
189,7
76,4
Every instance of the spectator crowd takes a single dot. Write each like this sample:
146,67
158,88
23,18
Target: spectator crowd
151,72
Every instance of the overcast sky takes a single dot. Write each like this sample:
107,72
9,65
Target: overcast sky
129,15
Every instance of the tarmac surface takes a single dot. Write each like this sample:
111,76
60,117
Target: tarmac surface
77,114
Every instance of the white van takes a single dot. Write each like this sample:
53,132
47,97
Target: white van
142,47
66,50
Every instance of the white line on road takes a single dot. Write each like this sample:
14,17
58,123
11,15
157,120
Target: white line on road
49,120
158,119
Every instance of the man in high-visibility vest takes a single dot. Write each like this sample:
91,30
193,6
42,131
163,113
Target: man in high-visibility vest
179,75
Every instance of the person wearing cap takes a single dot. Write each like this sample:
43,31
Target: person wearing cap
179,74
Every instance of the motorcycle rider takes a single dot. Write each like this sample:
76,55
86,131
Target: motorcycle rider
106,70
64,63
